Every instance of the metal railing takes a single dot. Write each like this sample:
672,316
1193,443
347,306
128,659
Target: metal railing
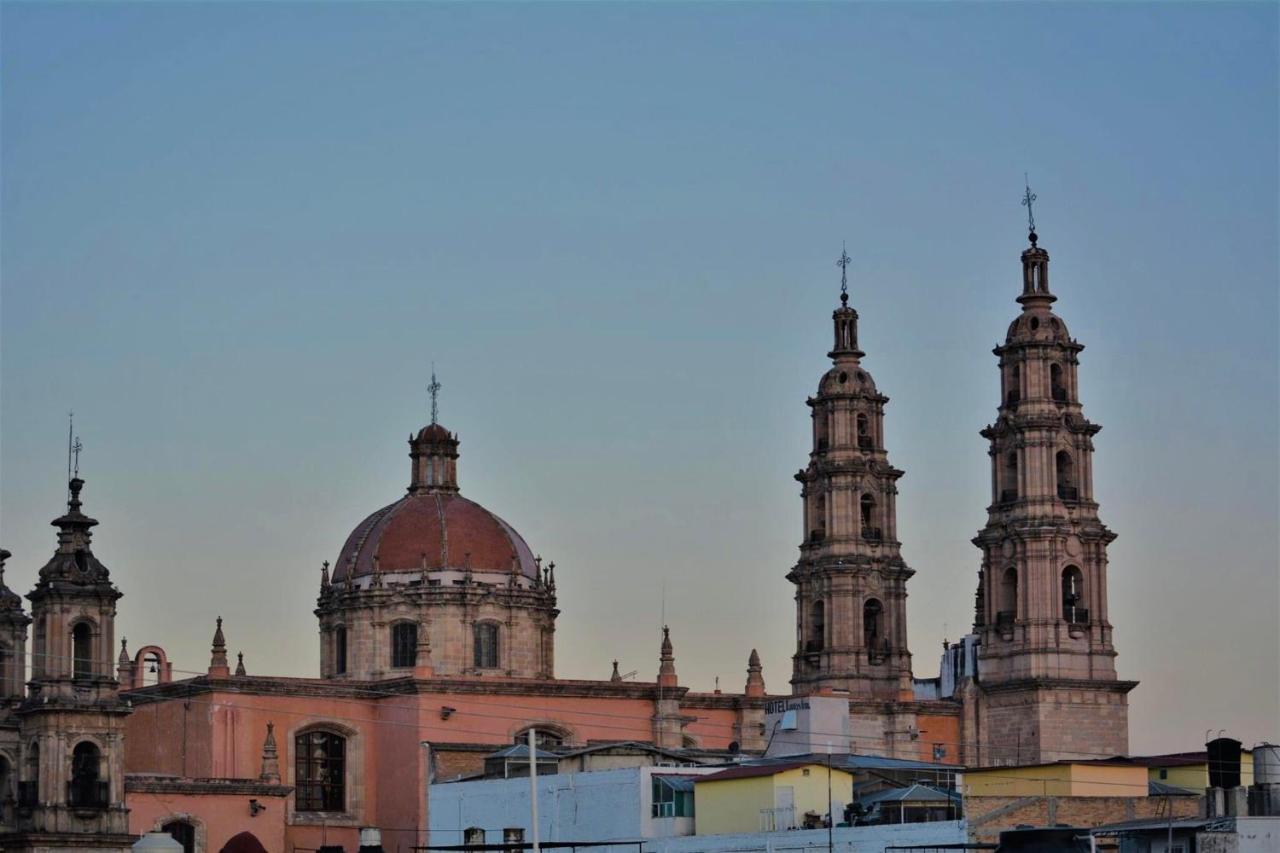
1069,493
88,794
872,534
1076,615
1005,618
1008,496
1059,395
864,442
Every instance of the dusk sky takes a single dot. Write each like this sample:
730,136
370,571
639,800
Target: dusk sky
235,237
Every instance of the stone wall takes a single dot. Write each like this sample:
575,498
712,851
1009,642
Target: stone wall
987,817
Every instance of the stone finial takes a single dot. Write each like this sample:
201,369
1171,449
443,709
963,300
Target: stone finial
124,666
270,758
324,575
667,661
124,651
240,670
423,666
617,676
755,681
218,667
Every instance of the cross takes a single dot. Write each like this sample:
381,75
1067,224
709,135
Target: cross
1027,199
76,448
434,390
843,263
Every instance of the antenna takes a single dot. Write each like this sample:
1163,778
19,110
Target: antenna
71,425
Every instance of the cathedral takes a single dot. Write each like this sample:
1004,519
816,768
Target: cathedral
436,642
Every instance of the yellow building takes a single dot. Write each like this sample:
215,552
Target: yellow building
1059,779
1190,770
768,797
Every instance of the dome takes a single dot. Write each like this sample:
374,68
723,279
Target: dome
846,379
1041,325
434,531
434,432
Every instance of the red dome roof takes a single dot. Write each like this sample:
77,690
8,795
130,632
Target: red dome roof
435,531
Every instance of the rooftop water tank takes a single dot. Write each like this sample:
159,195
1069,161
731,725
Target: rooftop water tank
1266,764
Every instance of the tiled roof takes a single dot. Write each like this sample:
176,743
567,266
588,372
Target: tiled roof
433,531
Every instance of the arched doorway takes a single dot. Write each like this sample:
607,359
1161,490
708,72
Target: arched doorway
245,842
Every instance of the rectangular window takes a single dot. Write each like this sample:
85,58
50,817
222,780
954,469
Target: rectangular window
320,772
404,644
669,798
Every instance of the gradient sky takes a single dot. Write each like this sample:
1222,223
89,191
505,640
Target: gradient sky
235,237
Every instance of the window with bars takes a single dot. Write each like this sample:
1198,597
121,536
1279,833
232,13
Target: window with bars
183,833
320,772
404,644
486,646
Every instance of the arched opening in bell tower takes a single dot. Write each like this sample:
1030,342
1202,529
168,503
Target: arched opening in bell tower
1073,596
82,650
818,627
1057,389
1008,611
868,507
1065,469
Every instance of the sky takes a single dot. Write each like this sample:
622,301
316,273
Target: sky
234,238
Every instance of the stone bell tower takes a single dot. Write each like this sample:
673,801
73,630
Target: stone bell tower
71,726
1046,662
851,593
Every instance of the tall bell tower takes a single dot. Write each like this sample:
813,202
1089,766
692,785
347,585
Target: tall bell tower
71,725
1046,662
851,595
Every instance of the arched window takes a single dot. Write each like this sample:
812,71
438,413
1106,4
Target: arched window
864,432
1073,596
868,506
818,530
817,627
542,738
86,787
182,832
1056,387
5,657
821,431
486,645
340,650
404,644
1066,476
1010,491
1013,395
6,780
871,633
82,650
320,767
1008,611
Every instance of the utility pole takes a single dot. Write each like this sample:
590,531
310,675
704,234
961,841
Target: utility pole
533,788
831,809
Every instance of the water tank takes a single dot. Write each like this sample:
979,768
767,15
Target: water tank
1266,764
1224,762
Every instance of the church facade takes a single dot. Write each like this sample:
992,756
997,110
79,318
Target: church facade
436,630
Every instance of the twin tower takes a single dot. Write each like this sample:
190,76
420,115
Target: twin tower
1038,673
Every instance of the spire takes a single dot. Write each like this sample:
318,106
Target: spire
124,651
9,600
218,667
270,758
755,681
240,670
1035,263
616,676
845,318
667,661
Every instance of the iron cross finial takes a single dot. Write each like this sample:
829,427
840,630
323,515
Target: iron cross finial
434,390
1028,199
843,263
75,449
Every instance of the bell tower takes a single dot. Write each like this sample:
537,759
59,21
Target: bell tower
1046,661
851,595
71,726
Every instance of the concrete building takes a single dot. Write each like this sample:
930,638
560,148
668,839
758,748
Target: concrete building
771,797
